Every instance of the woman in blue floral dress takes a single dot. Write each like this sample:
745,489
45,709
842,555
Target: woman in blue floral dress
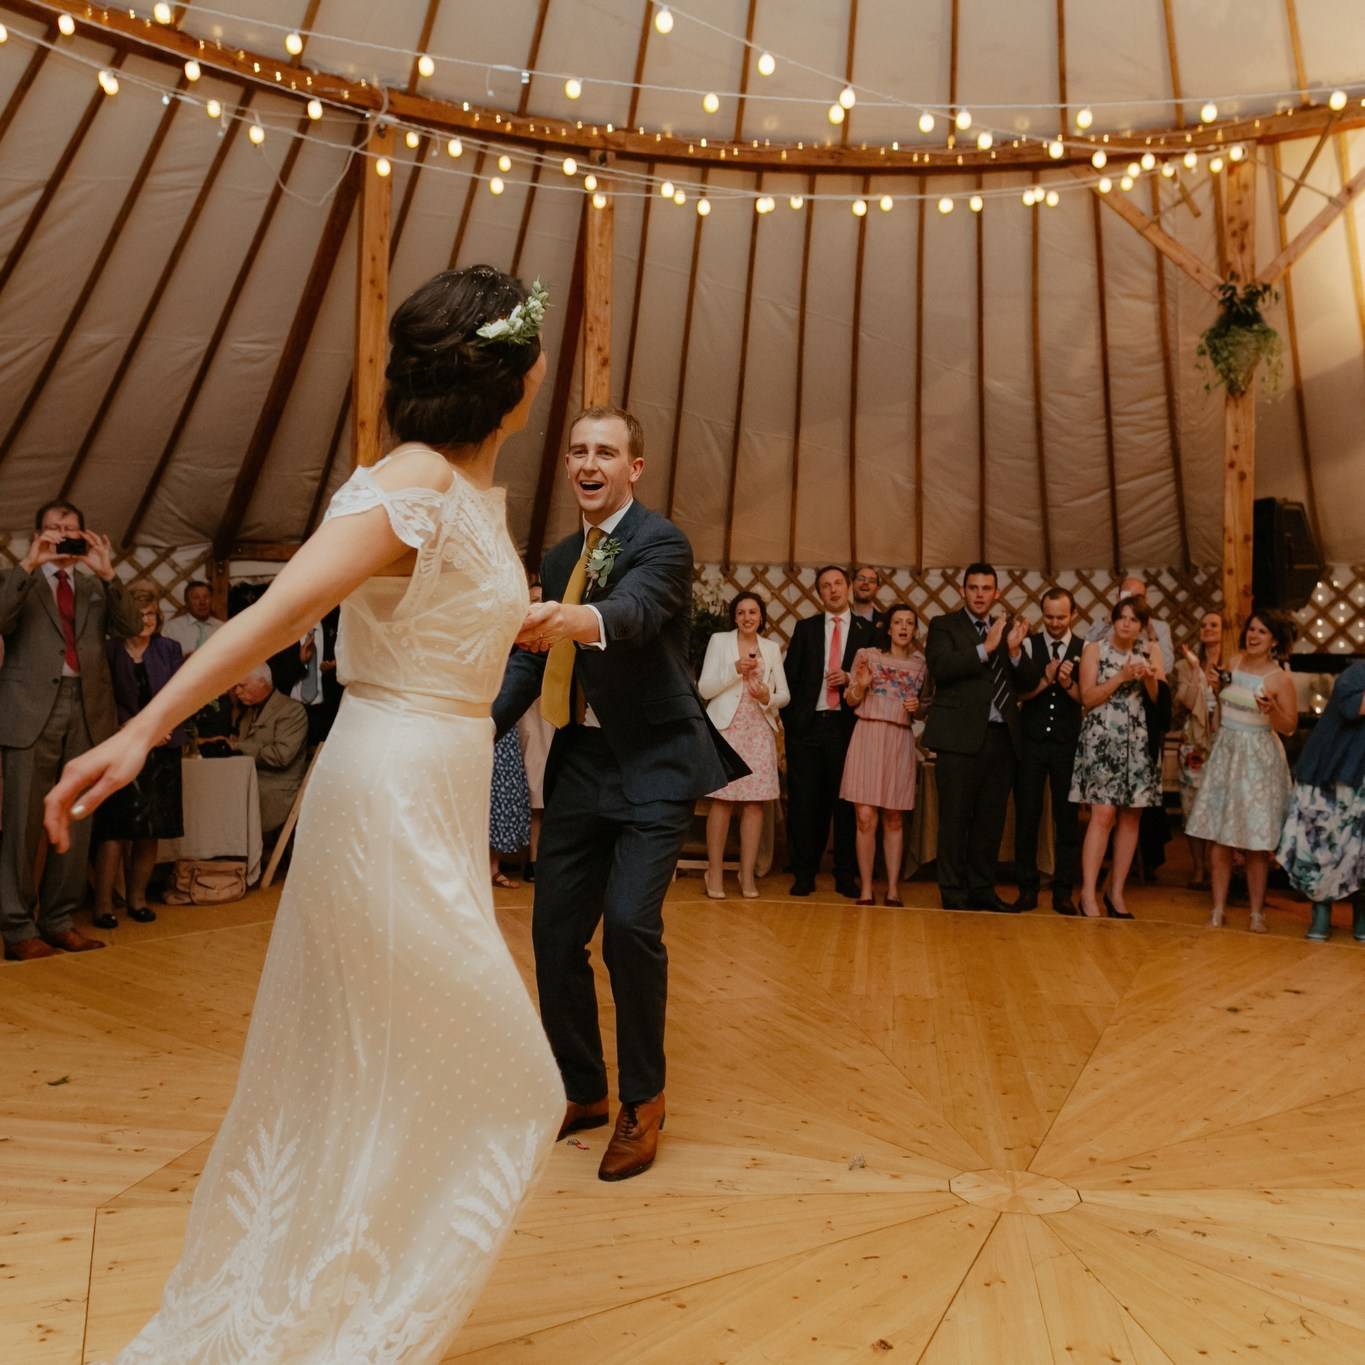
1116,774
1322,847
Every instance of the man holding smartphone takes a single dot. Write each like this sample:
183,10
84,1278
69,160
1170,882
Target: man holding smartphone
56,701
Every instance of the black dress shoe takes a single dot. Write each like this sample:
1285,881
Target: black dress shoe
1113,911
802,887
1064,905
1028,900
848,889
143,914
104,921
1000,906
528,872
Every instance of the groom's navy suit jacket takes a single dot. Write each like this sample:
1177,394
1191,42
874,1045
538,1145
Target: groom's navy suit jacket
640,687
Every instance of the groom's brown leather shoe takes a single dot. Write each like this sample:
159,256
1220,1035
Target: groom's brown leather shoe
577,1117
635,1141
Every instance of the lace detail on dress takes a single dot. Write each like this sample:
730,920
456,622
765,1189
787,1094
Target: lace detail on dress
413,512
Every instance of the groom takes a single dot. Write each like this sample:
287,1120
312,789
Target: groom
632,752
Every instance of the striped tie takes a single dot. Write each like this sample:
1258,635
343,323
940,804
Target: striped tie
1002,694
556,689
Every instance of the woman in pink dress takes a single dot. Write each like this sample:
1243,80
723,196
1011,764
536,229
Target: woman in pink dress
879,771
744,686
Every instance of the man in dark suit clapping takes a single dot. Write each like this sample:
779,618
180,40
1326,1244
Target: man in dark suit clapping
1051,713
973,728
818,728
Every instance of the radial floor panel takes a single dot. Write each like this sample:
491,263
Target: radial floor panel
931,1137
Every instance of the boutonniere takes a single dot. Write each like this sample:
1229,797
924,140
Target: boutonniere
602,561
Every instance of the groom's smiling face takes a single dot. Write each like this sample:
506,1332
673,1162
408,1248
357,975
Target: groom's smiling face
600,466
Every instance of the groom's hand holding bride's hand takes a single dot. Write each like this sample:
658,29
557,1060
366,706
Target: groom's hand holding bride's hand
547,623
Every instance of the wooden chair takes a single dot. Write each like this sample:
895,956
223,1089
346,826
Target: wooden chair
290,820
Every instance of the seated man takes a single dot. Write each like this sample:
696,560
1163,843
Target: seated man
272,729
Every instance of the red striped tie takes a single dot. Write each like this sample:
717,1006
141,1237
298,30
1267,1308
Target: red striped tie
66,608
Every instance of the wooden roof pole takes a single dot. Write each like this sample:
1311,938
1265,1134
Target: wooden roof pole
641,254
597,291
1203,275
1168,384
981,461
854,368
683,355
1352,237
1039,432
25,81
1310,234
1239,416
737,428
809,211
1111,464
919,380
372,300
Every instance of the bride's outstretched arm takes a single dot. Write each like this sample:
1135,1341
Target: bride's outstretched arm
340,556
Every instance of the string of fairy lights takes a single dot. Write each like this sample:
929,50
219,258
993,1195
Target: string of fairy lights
1114,168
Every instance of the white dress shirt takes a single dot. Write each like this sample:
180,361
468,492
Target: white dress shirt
188,632
1049,653
844,617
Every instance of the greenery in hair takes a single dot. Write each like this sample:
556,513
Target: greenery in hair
522,325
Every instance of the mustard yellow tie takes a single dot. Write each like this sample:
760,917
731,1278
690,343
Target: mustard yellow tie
556,688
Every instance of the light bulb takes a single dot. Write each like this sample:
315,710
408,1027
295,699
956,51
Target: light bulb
383,166
1208,113
663,20
680,197
859,207
1027,197
1191,160
1337,101
703,207
1216,165
963,120
573,87
454,147
797,201
945,205
1237,152
192,71
710,101
570,166
926,122
426,68
1053,199
505,164
161,12
1148,161
1105,184
976,203
984,142
1168,169
411,138
590,182
599,200
836,113
1084,118
666,189
315,109
1056,149
4,34
886,203
767,63
1099,159
256,133
1126,183
108,82
495,186
293,44
1133,169
848,97
213,109
67,25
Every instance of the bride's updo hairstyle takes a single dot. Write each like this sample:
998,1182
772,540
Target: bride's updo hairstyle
446,385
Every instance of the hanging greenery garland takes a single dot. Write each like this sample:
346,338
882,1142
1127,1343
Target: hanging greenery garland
1240,339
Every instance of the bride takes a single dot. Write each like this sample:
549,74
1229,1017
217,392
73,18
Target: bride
396,1096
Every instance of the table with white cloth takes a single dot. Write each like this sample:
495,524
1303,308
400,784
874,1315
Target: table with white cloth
222,811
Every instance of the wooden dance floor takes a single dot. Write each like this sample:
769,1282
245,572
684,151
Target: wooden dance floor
902,1135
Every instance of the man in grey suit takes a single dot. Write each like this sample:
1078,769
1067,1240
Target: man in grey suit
56,701
272,729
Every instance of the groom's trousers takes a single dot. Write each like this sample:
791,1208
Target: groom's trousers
603,859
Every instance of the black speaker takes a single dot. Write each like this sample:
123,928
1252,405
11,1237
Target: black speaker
1286,564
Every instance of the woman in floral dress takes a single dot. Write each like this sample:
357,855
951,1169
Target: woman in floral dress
1116,773
880,768
744,686
1322,847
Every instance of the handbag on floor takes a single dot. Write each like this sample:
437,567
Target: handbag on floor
207,881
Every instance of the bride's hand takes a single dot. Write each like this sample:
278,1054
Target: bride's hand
88,780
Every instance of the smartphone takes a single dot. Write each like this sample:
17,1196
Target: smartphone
72,545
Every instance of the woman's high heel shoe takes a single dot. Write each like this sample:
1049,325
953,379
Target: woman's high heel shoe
1257,925
1113,911
750,893
1215,917
714,895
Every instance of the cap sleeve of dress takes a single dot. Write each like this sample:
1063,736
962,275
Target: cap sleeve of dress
414,513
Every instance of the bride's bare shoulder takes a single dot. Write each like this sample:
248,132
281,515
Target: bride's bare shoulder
414,466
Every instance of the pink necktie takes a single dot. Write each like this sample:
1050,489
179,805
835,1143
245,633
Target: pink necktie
836,661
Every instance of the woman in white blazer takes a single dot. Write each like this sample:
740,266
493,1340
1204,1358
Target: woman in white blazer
744,686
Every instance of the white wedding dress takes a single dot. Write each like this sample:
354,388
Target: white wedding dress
397,1095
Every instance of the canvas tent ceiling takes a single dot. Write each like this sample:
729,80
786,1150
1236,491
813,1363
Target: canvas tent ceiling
157,452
